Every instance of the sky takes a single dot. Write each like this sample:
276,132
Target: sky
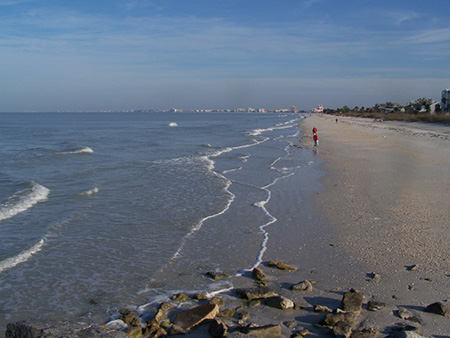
93,55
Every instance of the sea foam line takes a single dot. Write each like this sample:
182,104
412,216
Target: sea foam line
83,150
23,200
25,255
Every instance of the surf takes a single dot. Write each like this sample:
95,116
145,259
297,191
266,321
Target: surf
23,200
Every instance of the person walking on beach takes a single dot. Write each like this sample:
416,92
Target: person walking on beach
316,139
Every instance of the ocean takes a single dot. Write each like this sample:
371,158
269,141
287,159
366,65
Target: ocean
104,210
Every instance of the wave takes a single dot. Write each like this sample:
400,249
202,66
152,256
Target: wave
23,200
89,192
83,150
25,255
173,124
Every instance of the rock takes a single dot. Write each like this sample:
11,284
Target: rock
258,274
303,286
176,330
413,267
256,293
134,331
200,296
374,276
267,331
237,334
254,303
280,302
375,306
217,328
300,334
332,319
290,324
217,300
407,315
342,329
242,316
363,334
404,314
129,317
154,330
227,313
190,318
352,301
217,275
438,308
180,297
322,308
281,266
57,329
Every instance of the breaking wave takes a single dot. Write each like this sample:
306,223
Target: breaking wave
84,150
11,262
23,200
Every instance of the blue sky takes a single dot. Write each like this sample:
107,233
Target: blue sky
82,55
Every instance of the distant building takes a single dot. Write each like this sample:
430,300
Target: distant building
445,100
319,109
293,109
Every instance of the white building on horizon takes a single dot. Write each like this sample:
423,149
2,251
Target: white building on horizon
319,109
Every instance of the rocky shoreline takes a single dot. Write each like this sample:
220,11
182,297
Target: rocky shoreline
213,317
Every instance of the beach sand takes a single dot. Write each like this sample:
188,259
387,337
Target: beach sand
387,196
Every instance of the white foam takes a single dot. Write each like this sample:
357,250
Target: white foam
83,150
23,200
89,192
173,124
11,262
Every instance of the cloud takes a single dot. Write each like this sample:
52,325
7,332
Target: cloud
401,17
430,36
12,2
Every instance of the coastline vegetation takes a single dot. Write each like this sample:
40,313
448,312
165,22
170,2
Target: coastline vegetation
421,110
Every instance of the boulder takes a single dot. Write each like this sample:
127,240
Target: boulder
281,266
256,293
129,317
303,286
280,302
57,329
352,301
192,317
438,308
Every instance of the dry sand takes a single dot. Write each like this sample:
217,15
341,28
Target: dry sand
388,198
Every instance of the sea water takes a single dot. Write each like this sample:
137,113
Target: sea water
104,210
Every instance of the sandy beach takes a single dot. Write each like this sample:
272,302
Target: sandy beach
387,197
